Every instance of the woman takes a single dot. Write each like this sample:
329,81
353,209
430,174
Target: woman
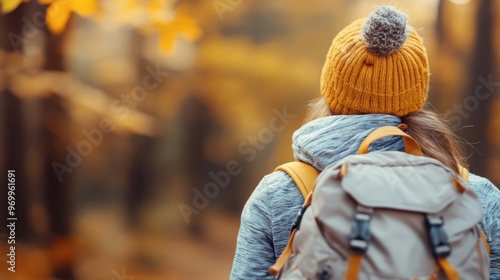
376,74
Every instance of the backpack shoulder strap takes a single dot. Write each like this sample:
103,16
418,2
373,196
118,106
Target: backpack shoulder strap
303,174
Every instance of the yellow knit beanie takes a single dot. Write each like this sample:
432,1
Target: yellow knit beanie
376,65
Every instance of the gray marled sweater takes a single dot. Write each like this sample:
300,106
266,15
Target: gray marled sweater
269,212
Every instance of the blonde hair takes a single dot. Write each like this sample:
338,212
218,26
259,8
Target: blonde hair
433,134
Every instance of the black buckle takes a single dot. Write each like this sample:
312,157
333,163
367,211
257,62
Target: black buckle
326,273
438,238
298,219
360,236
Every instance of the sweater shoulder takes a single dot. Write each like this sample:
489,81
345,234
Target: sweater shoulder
485,189
272,191
273,187
282,191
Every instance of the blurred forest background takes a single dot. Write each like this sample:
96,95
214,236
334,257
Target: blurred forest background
113,111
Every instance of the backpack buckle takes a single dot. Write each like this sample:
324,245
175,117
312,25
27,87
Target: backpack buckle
359,238
438,238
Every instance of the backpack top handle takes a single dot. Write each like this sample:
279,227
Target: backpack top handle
411,146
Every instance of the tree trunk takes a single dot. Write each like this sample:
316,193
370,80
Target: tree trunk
477,111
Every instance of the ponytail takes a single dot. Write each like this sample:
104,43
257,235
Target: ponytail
435,137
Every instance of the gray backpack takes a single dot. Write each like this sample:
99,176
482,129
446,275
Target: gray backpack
384,215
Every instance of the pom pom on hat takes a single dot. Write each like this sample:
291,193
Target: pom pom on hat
385,30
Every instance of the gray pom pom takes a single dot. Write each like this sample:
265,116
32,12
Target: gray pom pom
385,30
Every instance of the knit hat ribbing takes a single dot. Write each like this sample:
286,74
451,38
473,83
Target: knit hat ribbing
376,65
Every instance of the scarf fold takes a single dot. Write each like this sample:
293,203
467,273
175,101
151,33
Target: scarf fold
324,141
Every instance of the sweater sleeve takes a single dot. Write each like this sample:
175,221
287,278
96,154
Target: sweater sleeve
254,246
492,228
490,198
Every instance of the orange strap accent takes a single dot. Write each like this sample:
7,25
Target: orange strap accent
287,252
485,241
459,186
343,171
303,174
353,266
280,262
411,146
448,269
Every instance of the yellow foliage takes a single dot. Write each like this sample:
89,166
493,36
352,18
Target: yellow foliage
58,12
159,17
84,8
158,11
181,24
10,5
57,17
152,16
